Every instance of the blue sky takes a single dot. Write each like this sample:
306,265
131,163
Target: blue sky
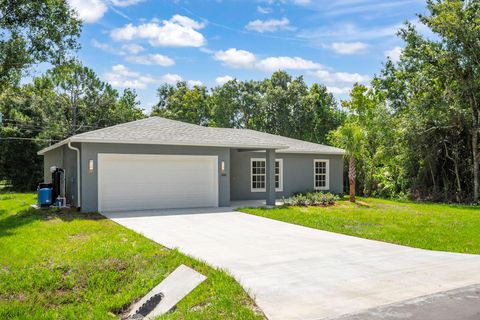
142,43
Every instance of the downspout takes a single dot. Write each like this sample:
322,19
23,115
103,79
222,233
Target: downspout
78,173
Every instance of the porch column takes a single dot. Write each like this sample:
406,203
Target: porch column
270,177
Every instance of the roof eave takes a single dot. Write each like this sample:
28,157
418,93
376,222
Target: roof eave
53,146
173,143
342,152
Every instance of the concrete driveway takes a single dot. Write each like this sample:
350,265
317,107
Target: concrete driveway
294,272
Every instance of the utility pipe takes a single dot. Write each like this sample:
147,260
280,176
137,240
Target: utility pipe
78,173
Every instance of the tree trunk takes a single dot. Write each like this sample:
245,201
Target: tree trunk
475,162
475,152
351,177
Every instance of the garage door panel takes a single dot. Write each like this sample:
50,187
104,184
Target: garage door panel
136,182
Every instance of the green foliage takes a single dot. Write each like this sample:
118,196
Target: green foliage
349,137
434,92
422,225
69,265
182,103
32,32
419,122
311,199
369,135
67,100
279,105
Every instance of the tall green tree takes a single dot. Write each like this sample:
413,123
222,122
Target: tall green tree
179,102
434,91
236,104
32,32
455,58
68,99
279,105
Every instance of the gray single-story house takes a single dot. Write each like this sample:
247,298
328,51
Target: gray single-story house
157,163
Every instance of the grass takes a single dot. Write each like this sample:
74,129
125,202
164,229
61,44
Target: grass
440,227
69,266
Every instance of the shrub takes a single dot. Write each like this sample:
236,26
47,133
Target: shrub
311,199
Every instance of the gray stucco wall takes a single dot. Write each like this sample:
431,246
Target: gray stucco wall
235,185
64,158
52,158
90,151
297,174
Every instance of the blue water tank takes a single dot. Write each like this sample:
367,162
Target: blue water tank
44,197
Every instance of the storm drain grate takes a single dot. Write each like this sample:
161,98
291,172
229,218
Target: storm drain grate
148,306
166,294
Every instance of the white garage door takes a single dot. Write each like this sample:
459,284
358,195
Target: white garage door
140,182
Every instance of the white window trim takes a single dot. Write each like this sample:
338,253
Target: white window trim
327,175
280,181
280,175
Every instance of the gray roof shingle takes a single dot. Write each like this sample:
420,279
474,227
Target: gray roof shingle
157,130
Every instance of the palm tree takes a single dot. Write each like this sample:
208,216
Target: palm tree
349,137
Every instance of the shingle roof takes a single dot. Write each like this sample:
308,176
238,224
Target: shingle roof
157,130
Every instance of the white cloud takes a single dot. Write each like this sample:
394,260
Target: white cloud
271,25
348,32
222,80
152,59
264,10
285,63
125,3
339,90
89,11
170,78
351,77
124,50
394,54
340,77
235,58
121,76
133,48
179,31
348,47
187,22
302,2
297,2
193,83
103,46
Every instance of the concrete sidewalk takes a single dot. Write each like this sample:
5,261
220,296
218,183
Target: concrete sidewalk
295,272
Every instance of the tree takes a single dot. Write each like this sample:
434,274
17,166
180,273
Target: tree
349,137
433,92
67,100
279,105
320,115
182,103
32,32
456,59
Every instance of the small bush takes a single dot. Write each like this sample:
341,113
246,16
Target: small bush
311,199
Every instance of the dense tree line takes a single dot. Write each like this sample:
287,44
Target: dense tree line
66,100
279,105
419,122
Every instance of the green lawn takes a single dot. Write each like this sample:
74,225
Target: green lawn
422,225
82,266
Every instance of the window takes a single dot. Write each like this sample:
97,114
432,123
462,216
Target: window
258,173
279,175
321,175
